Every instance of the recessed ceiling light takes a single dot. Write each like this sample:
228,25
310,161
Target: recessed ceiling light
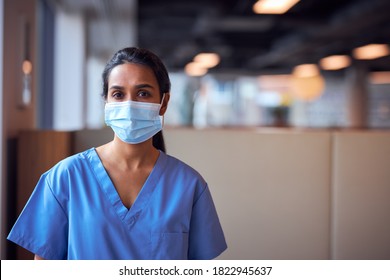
207,60
273,6
371,51
195,69
306,70
335,62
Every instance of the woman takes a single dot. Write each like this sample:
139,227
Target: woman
126,199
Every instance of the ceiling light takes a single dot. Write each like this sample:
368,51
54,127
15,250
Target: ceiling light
273,6
335,62
306,70
207,60
307,88
195,69
378,78
306,82
371,51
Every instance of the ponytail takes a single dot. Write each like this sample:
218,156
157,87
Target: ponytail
158,141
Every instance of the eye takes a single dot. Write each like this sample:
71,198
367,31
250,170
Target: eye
143,94
117,95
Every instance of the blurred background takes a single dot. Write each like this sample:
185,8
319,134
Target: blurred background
285,110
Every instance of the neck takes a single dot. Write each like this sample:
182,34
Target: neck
132,156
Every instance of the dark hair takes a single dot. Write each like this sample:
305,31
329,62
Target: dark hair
147,58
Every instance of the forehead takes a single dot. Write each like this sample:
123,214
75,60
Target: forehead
131,73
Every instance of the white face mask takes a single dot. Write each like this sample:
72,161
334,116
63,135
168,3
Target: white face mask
134,122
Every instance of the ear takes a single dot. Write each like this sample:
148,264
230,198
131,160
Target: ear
164,105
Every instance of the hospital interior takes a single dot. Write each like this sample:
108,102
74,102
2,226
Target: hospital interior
288,120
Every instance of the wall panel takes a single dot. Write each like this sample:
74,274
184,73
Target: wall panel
361,196
271,189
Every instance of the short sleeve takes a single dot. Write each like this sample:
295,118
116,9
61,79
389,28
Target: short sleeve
42,226
206,239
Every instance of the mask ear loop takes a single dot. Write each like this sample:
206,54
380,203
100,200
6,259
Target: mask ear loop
162,101
162,117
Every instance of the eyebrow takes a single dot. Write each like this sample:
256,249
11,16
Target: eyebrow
116,87
144,86
137,86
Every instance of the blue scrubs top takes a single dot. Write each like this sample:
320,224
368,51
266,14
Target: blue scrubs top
75,212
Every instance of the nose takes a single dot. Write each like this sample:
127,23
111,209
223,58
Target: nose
130,97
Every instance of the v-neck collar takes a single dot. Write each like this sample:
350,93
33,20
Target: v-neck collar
128,216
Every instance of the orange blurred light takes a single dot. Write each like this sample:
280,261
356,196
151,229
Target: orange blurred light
306,70
27,67
195,69
335,62
207,60
371,51
273,6
379,78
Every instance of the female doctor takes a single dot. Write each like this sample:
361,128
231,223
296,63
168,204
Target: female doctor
126,199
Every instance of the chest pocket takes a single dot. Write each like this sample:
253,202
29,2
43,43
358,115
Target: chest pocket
169,246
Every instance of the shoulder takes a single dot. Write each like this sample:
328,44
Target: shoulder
182,177
74,160
178,167
68,166
68,174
